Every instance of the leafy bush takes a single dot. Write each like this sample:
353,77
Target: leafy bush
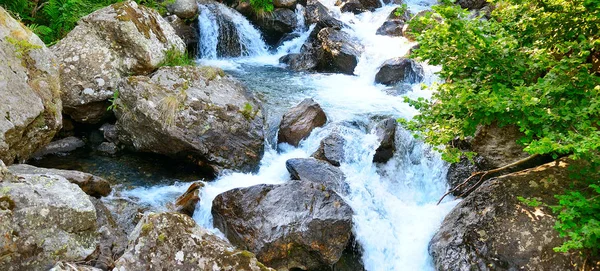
262,5
175,58
534,64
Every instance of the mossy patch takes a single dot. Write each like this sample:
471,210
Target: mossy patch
211,73
144,24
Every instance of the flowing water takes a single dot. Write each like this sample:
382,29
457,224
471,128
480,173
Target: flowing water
394,203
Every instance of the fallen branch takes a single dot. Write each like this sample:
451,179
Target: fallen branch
482,174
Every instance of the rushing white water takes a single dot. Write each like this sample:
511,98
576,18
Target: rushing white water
395,203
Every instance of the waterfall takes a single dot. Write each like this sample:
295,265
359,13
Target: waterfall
394,203
226,33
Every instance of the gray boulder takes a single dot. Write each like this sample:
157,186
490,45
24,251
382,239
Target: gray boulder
120,40
317,13
90,184
340,51
317,171
394,24
386,132
64,145
399,70
274,25
194,113
107,149
358,6
331,149
168,241
44,218
30,90
299,121
498,145
184,9
492,230
297,225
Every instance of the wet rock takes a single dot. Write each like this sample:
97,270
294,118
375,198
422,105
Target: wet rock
293,225
472,4
30,90
126,213
188,32
317,13
184,9
340,51
461,171
186,203
394,24
299,121
498,145
64,145
317,171
386,132
107,149
44,218
90,184
121,40
167,240
399,70
64,266
290,4
198,114
112,238
331,149
492,230
274,25
358,6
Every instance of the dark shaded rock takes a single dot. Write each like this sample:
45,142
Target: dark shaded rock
167,240
30,110
188,32
112,238
293,225
299,121
354,6
290,4
492,230
110,132
274,25
186,203
90,184
472,4
461,171
43,219
331,149
399,70
317,171
317,13
194,113
394,24
340,51
107,149
498,145
64,145
386,132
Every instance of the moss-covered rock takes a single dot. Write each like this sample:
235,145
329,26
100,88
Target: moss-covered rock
172,241
44,218
30,91
113,42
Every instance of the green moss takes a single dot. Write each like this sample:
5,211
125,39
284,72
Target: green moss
22,46
248,112
211,73
162,237
147,227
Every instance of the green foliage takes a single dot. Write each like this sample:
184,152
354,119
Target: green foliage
262,5
22,47
51,20
113,101
248,111
174,57
401,10
533,64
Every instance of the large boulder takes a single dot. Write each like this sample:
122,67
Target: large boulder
168,241
492,229
317,13
184,9
299,121
290,4
331,149
195,113
111,43
386,133
44,218
399,70
30,90
358,6
340,51
274,25
297,225
317,171
90,184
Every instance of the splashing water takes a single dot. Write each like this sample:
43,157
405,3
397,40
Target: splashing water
394,203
